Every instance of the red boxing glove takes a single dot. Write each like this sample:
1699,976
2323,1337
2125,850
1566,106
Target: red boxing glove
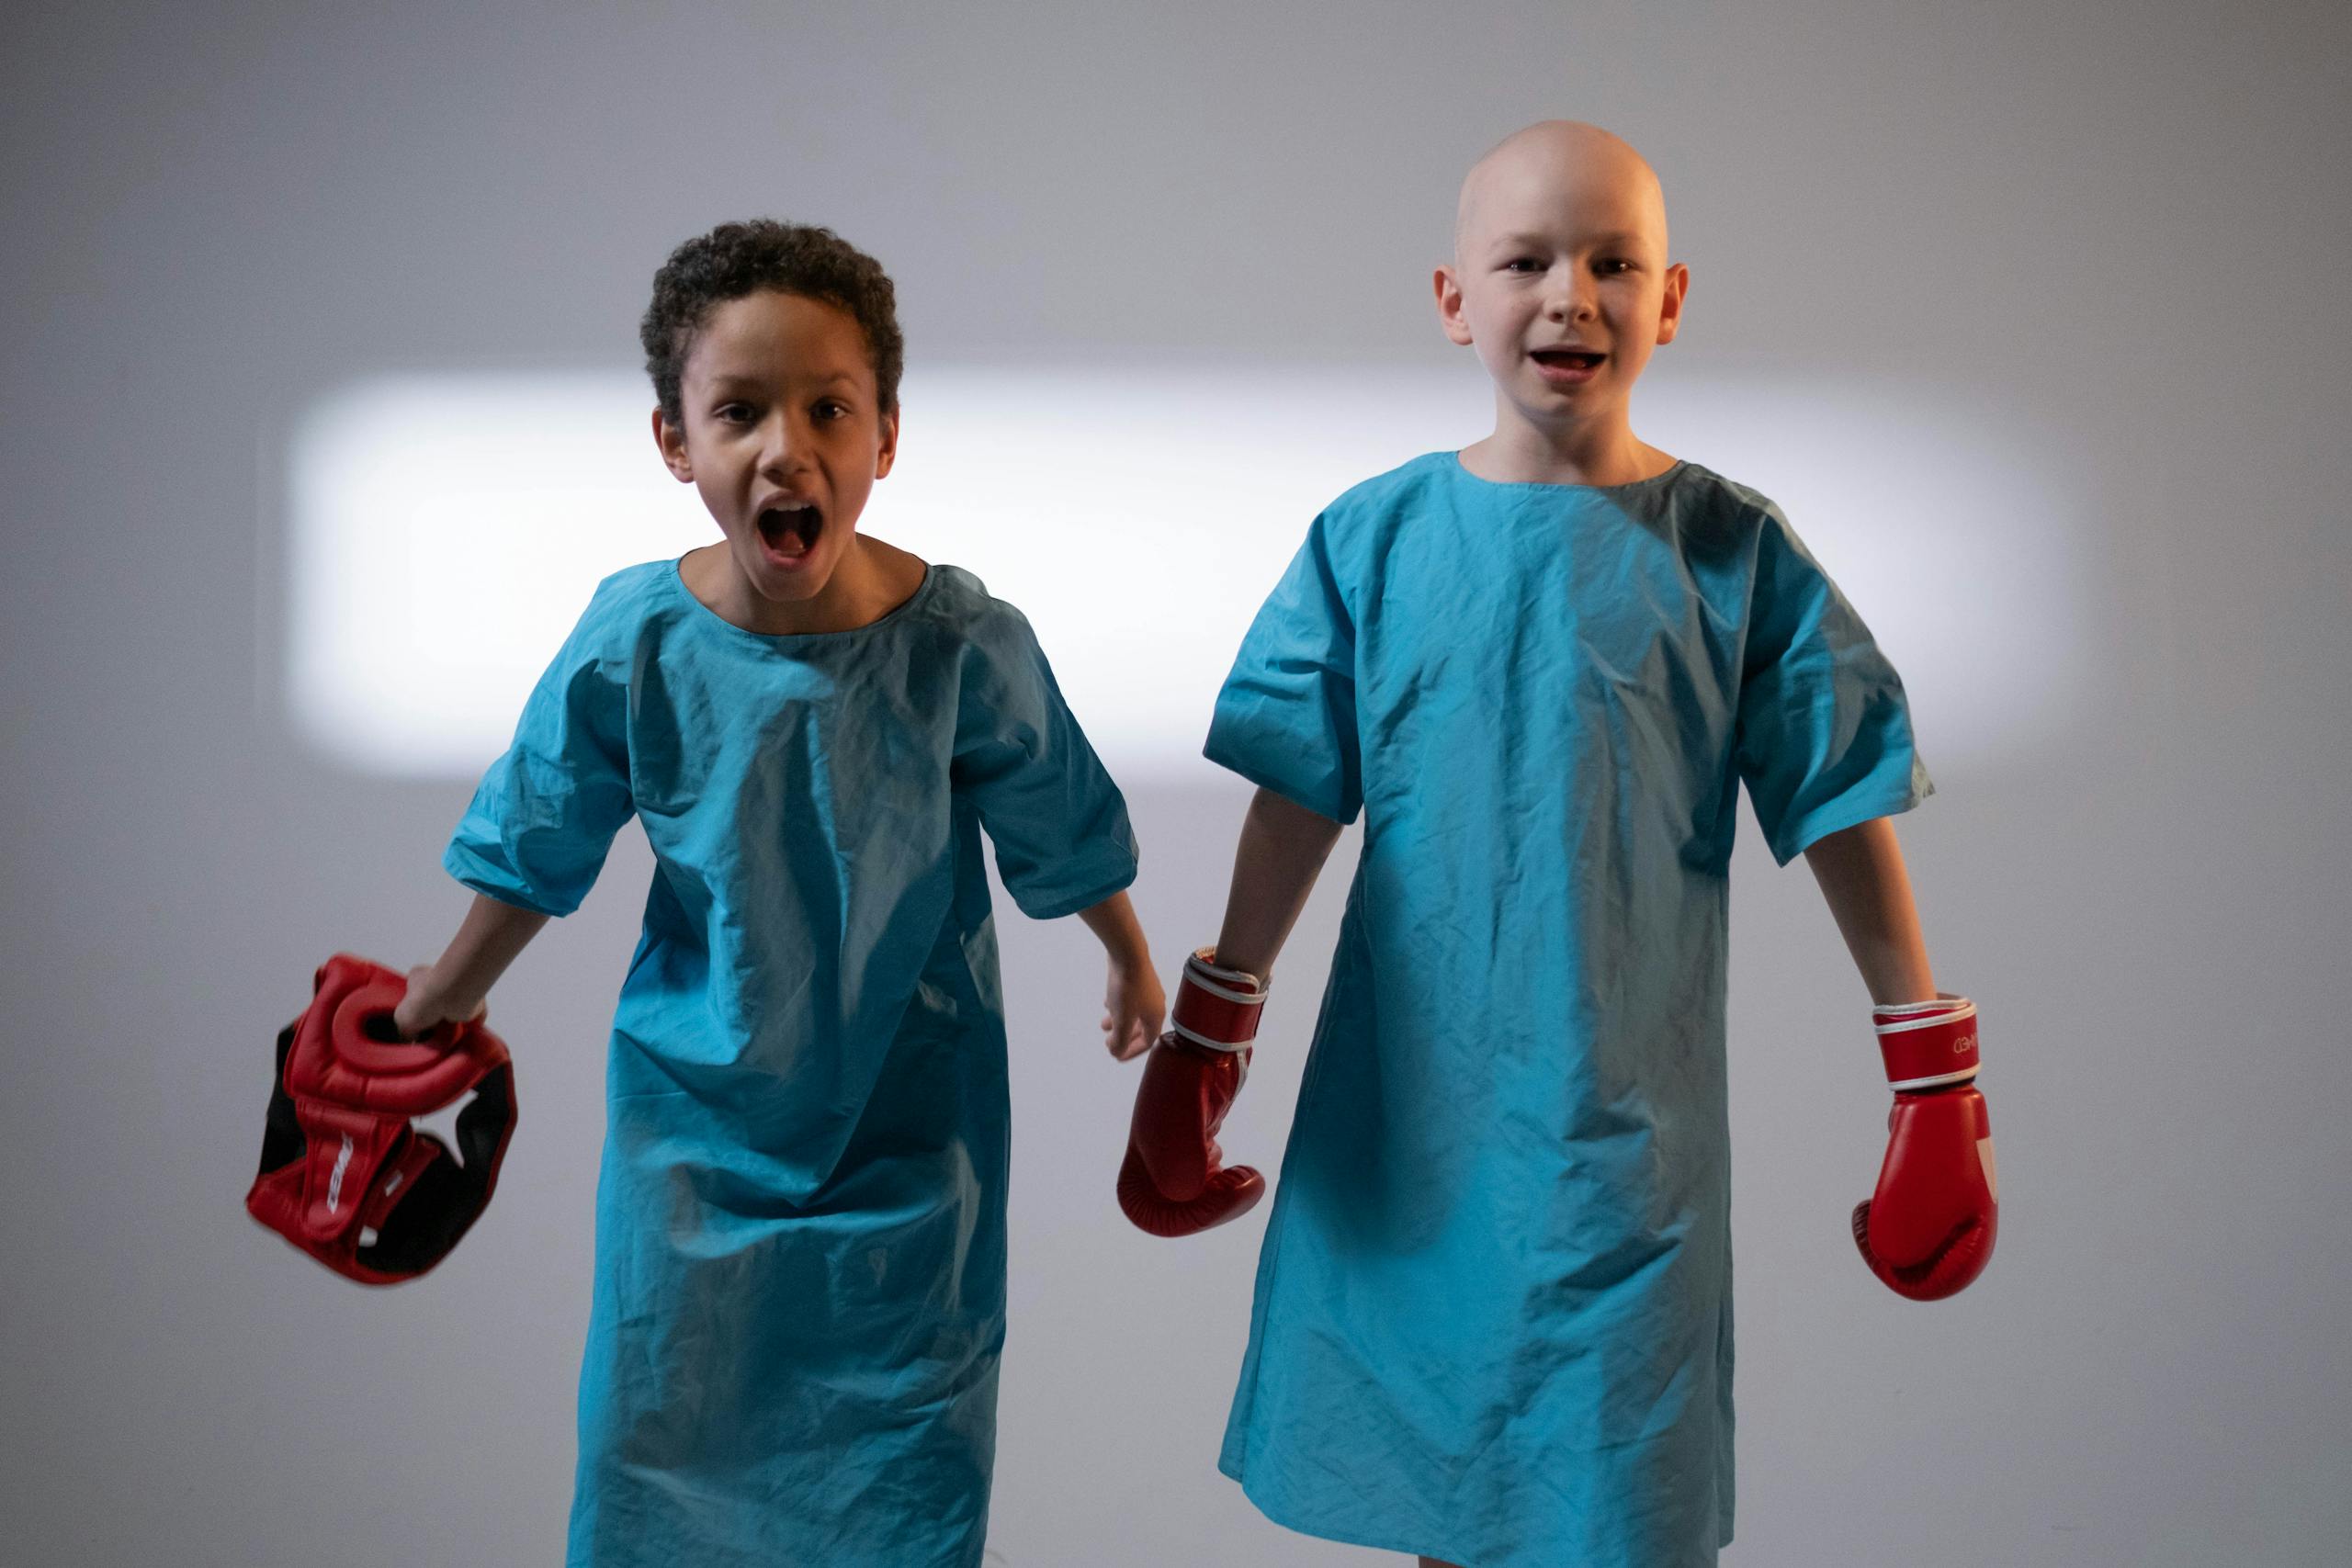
1928,1231
1172,1182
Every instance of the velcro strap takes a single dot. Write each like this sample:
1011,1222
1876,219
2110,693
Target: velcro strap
1927,1044
399,1176
1218,1007
341,1151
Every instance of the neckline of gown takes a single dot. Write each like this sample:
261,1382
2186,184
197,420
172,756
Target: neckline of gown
788,641
1452,459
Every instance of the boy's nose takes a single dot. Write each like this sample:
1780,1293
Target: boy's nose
781,444
1570,297
1571,303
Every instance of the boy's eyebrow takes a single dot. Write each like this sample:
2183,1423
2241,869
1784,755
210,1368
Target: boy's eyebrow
726,379
1611,237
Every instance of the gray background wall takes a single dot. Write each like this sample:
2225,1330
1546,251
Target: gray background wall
2122,226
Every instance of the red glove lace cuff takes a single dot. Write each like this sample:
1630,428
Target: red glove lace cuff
1927,1044
1218,1007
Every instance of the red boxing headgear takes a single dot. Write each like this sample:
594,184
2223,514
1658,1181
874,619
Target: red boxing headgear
345,1175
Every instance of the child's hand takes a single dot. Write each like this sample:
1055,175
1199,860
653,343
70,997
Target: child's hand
1132,1009
421,1010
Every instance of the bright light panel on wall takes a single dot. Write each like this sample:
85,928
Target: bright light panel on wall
447,530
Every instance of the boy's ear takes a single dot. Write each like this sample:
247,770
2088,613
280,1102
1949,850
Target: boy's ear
889,452
1669,317
672,439
1449,305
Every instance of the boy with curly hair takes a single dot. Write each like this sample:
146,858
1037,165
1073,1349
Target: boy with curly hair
800,1298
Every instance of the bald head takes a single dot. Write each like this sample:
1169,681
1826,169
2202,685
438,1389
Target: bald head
1555,170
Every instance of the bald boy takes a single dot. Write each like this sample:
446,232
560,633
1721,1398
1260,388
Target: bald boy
1493,1317
1555,191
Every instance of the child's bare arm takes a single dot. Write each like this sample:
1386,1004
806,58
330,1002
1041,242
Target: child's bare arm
1114,925
454,987
1282,848
1133,1004
1869,893
1927,1230
1174,1182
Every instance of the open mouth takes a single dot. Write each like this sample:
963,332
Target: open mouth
1568,358
791,532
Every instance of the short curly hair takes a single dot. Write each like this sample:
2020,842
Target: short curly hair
739,259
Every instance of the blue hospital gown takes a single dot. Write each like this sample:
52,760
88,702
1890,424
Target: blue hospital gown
800,1232
1493,1317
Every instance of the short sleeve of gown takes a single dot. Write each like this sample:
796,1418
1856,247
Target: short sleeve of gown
544,816
1285,719
1060,825
1824,730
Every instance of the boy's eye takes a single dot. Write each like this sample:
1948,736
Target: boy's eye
732,413
1523,263
1616,263
831,410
